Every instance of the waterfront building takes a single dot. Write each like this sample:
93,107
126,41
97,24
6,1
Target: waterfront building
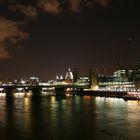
104,81
69,75
116,82
136,76
83,80
130,74
120,76
34,80
93,79
67,80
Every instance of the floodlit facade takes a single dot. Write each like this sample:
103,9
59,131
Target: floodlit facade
83,80
93,79
121,80
69,75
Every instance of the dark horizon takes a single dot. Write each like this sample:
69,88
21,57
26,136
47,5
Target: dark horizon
43,38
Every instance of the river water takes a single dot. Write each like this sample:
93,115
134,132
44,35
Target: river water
70,118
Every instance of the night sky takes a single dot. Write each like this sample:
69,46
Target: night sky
44,37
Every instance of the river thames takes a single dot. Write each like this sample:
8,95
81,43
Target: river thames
70,118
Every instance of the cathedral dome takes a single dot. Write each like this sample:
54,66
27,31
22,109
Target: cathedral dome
69,75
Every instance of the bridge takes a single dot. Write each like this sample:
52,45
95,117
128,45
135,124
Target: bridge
36,89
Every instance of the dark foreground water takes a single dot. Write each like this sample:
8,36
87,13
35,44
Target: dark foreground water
71,118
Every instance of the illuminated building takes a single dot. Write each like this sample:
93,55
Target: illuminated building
84,80
69,75
130,74
119,81
93,79
120,76
61,77
67,80
57,77
136,76
34,80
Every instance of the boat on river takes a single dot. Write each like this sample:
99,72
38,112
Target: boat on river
132,96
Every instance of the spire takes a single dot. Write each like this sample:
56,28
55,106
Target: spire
61,77
57,77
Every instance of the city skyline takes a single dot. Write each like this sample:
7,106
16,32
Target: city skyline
43,38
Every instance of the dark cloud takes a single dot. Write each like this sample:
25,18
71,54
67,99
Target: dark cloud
50,6
104,3
9,32
75,5
56,7
27,10
3,51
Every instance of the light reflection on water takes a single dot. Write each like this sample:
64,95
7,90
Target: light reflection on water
67,118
